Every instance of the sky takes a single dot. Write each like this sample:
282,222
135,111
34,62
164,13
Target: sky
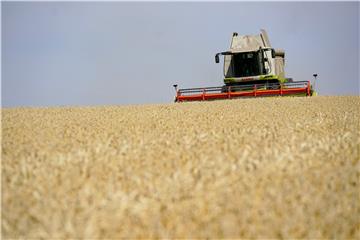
120,53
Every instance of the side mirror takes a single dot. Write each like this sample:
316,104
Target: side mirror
272,53
217,59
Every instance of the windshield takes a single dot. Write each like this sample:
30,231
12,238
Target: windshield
246,64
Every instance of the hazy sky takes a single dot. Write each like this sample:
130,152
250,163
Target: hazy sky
92,53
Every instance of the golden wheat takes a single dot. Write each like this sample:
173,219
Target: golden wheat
250,168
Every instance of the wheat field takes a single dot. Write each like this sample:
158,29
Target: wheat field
248,168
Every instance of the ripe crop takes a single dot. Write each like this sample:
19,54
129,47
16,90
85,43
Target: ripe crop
250,168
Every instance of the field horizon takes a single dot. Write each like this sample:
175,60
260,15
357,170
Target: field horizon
170,102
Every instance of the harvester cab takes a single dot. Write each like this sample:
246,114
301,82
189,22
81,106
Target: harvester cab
251,68
252,59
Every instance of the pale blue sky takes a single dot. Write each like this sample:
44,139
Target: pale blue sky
92,53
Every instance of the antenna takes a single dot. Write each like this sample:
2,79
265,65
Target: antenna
315,75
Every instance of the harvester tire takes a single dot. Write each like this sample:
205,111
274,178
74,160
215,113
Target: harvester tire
224,89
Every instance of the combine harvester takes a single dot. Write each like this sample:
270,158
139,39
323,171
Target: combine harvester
252,68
